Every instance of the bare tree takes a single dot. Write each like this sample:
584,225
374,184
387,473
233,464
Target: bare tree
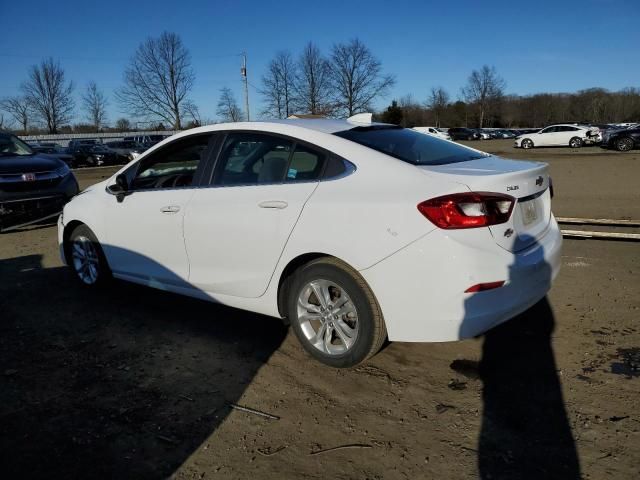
437,102
313,82
95,105
356,77
123,125
278,86
48,95
158,79
19,109
228,108
192,110
484,89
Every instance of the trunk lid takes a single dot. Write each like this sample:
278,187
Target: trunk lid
527,182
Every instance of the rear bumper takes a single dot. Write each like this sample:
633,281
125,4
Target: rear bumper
421,288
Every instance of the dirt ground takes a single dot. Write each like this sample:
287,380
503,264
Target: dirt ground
137,383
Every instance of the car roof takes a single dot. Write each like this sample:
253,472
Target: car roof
323,125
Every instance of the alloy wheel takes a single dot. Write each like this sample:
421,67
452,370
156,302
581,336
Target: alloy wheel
327,316
85,259
624,144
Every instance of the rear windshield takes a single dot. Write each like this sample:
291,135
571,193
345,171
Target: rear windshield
410,146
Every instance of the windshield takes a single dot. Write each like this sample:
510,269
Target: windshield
410,146
10,145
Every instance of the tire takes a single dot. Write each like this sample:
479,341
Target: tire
624,144
360,332
575,142
526,143
86,258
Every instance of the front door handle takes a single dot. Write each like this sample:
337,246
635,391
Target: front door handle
273,204
170,209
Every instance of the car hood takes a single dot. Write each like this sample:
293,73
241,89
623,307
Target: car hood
28,164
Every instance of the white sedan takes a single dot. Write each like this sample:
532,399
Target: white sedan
433,131
573,136
351,231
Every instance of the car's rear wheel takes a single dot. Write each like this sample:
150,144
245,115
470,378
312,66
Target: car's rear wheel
575,142
334,313
624,144
85,257
526,144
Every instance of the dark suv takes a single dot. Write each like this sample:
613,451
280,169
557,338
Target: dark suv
32,186
461,133
623,140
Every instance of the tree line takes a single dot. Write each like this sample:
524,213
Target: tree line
159,78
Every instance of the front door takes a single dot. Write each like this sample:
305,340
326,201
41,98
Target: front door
144,230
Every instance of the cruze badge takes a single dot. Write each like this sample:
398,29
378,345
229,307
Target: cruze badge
512,187
539,181
28,177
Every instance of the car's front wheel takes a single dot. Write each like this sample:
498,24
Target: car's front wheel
624,144
526,144
85,257
334,313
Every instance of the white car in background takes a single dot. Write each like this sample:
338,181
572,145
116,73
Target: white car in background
432,131
351,231
563,135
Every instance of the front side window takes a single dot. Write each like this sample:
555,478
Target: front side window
172,166
410,146
252,158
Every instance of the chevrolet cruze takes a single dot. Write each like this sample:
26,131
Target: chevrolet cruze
353,232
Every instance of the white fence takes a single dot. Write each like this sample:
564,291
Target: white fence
63,139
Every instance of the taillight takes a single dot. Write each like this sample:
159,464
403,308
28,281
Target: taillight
468,210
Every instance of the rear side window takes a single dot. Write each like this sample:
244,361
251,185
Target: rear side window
410,146
252,158
306,164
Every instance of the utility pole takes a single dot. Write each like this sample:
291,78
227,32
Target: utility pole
243,72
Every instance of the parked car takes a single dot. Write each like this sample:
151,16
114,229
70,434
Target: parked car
85,141
444,241
432,131
93,155
574,136
482,134
54,150
503,133
126,149
32,185
147,140
622,139
461,133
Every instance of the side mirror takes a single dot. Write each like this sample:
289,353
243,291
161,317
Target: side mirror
121,188
122,182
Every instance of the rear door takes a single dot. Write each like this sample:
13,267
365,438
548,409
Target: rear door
236,228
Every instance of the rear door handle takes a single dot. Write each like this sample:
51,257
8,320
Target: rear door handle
273,204
170,209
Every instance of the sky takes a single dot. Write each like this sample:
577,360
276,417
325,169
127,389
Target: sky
535,45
